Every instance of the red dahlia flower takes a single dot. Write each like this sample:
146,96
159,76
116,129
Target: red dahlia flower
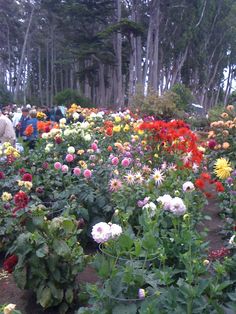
27,177
22,171
212,144
199,183
21,199
178,138
2,175
217,254
219,186
45,165
109,131
58,140
10,263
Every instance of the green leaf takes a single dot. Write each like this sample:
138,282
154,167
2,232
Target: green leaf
61,248
69,295
63,308
68,226
150,242
20,277
232,296
125,242
38,220
125,309
44,299
56,292
42,251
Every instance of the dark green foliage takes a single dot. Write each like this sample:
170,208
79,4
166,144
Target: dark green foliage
184,96
5,95
125,26
69,96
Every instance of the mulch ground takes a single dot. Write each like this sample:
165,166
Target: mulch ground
25,301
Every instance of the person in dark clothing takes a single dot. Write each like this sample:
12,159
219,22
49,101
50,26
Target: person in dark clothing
47,112
31,138
58,115
21,126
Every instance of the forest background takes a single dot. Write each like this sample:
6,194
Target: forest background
106,52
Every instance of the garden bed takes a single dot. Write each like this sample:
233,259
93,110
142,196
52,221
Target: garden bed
151,195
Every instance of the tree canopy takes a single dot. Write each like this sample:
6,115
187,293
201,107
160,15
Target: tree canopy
104,49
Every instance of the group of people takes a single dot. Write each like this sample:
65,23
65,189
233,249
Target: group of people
10,130
16,123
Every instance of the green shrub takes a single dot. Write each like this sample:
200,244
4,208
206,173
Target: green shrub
49,258
215,113
69,96
184,96
163,107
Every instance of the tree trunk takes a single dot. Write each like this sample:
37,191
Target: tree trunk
155,68
179,65
40,77
101,85
120,98
229,83
22,56
52,67
147,57
61,77
47,74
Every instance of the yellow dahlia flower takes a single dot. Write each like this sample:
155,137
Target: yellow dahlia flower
28,185
6,196
8,309
117,119
126,128
116,128
222,168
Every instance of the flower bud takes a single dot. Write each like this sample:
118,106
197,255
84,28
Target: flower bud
206,262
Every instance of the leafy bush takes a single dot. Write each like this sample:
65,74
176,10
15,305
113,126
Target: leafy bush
163,106
184,96
49,258
232,98
215,112
69,96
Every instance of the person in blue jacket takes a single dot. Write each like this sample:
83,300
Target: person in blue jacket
32,138
21,126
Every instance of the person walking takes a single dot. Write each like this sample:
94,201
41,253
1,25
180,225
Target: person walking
7,132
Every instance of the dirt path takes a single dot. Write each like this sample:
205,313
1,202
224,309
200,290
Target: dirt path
214,226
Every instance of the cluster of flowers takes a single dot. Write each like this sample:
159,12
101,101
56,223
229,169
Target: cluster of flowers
41,115
208,186
220,253
103,232
7,150
175,205
221,131
21,199
76,171
46,126
175,137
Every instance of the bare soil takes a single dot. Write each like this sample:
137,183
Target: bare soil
213,226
